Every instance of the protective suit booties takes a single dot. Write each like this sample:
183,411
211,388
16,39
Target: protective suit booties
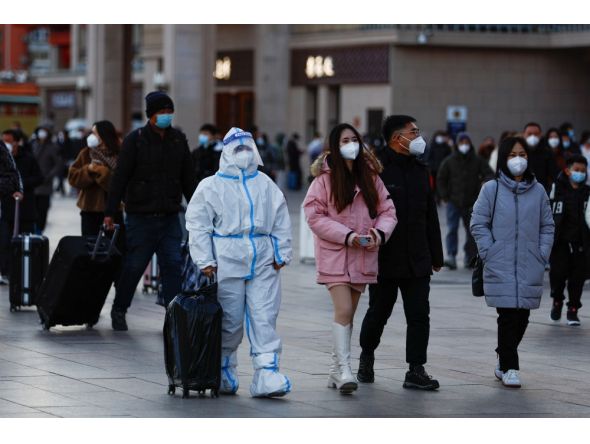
267,381
238,221
229,375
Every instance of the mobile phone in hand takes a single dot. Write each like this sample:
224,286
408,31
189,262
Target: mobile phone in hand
365,240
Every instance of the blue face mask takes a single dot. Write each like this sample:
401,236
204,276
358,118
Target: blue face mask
203,139
164,120
571,133
578,176
566,144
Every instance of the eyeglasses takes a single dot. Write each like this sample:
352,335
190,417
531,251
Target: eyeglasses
414,131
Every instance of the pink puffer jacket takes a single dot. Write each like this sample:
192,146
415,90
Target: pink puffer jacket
335,261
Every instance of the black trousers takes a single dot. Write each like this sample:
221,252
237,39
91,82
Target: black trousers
43,203
512,323
382,298
568,267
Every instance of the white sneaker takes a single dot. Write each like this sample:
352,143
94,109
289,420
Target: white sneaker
499,373
511,379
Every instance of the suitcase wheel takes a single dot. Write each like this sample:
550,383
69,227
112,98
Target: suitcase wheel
89,326
185,393
214,393
171,389
13,308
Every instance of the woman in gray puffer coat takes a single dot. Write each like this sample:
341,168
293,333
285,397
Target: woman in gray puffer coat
514,245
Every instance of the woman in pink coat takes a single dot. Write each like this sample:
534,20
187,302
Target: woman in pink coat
350,213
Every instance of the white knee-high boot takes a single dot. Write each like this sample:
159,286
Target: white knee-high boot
341,376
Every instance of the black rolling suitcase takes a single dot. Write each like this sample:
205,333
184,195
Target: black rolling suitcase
78,280
29,258
192,341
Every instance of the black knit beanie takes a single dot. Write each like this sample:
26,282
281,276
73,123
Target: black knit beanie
156,101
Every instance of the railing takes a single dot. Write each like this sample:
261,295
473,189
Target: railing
492,29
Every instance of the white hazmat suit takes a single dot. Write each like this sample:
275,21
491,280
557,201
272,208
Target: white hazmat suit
238,221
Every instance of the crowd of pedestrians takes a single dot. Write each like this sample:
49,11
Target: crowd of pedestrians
373,212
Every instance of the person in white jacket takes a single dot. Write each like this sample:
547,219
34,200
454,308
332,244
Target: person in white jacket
239,227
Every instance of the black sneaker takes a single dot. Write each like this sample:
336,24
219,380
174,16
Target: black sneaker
118,319
572,316
365,373
417,378
556,310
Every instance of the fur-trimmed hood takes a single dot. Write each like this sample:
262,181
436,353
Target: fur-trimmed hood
320,165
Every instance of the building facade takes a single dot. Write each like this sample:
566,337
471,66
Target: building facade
306,78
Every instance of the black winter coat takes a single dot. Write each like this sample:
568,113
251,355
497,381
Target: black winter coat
10,181
564,199
415,245
152,173
206,160
437,154
31,177
543,165
460,178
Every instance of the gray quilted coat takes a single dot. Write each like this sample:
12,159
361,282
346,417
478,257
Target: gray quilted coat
515,258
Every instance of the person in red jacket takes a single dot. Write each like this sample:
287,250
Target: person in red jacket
350,212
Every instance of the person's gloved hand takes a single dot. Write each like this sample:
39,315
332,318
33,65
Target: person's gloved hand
208,271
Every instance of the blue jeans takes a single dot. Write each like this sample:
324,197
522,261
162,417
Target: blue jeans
454,214
146,235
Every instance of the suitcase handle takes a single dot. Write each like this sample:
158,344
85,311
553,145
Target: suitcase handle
101,234
16,229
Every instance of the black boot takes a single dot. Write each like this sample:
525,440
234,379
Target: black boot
417,378
365,373
118,319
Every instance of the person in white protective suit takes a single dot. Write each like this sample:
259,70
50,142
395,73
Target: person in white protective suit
239,227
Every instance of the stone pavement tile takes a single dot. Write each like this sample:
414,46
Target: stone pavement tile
132,386
58,384
32,415
81,412
34,397
9,369
9,407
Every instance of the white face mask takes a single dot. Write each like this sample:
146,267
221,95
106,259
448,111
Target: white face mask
553,142
417,146
464,148
517,166
92,141
243,159
532,140
350,151
439,139
42,134
8,146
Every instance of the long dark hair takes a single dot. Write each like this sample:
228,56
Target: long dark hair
108,134
504,151
343,180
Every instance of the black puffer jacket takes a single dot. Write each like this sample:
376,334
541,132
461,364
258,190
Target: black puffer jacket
460,178
415,245
10,181
31,177
152,173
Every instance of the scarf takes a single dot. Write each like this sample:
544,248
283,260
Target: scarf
101,155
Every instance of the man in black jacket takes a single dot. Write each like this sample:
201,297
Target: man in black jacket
31,177
206,156
407,260
459,180
541,159
153,172
570,256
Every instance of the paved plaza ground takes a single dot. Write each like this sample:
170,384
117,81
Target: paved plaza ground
75,372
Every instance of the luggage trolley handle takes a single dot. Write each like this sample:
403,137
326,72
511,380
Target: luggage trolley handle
101,234
16,228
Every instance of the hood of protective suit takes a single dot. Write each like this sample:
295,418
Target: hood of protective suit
234,138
